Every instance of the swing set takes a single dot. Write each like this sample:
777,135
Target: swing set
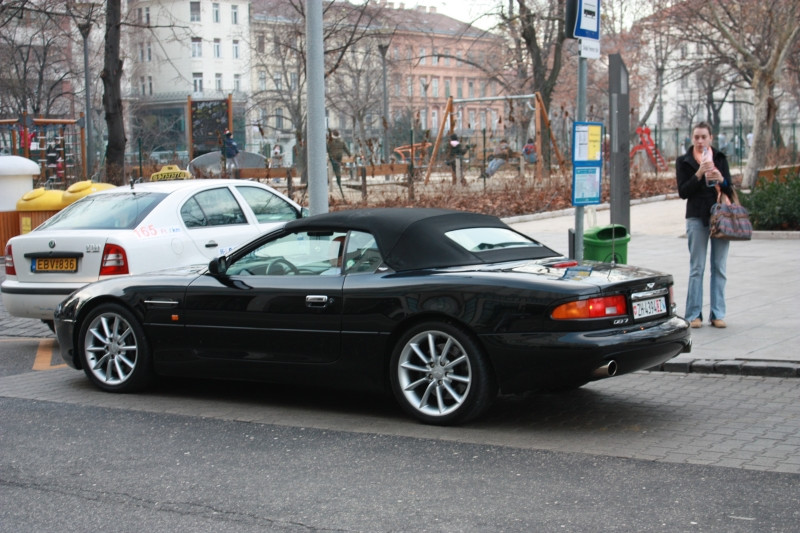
540,116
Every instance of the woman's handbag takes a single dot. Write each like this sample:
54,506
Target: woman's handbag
729,220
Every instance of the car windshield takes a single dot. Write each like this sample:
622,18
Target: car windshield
119,210
483,239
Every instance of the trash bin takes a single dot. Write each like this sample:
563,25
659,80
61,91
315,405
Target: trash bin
608,244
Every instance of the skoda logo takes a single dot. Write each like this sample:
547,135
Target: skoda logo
51,244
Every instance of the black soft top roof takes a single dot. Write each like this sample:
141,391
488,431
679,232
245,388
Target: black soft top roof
413,238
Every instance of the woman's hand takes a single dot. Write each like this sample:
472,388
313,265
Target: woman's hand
705,168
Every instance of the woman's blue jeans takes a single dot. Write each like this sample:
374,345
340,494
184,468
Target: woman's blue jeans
698,236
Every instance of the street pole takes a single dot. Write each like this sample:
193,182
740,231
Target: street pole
383,48
85,28
317,151
580,116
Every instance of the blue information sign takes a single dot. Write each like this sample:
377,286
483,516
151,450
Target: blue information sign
587,162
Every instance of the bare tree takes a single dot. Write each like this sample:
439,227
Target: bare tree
280,53
36,47
754,38
112,97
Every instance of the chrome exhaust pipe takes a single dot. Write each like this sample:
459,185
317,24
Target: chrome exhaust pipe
605,370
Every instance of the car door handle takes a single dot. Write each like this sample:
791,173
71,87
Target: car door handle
211,244
318,300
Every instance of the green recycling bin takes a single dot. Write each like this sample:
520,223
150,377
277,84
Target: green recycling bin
608,244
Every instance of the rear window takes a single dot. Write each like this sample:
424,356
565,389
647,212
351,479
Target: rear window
484,239
119,210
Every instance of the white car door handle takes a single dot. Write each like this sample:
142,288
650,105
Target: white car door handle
211,244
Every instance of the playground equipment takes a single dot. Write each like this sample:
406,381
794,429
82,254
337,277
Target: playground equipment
56,145
649,147
540,115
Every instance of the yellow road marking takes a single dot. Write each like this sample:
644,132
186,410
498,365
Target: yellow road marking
44,356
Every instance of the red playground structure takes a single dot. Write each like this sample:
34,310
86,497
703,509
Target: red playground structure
646,143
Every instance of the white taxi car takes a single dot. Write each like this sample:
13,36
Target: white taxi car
135,229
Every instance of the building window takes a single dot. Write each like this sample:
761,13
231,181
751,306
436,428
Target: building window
194,11
434,57
217,48
471,89
218,82
141,51
471,119
215,12
237,83
447,57
147,16
279,118
149,51
447,88
459,90
197,82
435,87
236,49
278,81
422,56
410,87
150,85
434,118
260,44
262,81
197,47
293,81
234,14
141,85
458,57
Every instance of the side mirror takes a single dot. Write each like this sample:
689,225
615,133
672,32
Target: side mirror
218,266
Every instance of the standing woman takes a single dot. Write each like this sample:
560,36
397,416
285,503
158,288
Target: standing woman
702,174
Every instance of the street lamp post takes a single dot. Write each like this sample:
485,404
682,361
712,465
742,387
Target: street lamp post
85,28
383,47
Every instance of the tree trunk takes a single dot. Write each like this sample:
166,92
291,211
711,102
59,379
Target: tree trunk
763,115
112,97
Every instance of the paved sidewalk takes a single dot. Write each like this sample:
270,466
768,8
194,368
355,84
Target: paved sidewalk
763,287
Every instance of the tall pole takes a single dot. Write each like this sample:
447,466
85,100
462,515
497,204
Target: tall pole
317,151
580,115
383,48
85,28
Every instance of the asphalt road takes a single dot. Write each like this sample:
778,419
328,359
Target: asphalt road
644,452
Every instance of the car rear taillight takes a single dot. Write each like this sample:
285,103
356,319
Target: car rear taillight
115,261
10,270
606,306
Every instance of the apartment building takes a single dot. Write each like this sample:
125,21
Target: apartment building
253,49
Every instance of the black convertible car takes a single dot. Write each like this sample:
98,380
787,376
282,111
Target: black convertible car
443,308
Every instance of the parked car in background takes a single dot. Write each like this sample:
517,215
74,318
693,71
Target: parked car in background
135,229
443,308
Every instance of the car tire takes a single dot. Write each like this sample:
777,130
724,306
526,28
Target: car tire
114,351
440,375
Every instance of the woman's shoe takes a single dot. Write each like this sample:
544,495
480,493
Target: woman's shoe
696,323
718,323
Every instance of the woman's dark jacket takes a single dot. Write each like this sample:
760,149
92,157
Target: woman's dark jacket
699,197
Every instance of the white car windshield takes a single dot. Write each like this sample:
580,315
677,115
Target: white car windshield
123,210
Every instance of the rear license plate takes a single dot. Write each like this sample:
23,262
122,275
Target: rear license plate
55,264
652,307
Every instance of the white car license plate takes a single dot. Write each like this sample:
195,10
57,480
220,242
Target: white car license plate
646,308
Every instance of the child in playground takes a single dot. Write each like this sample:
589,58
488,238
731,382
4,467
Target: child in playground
500,155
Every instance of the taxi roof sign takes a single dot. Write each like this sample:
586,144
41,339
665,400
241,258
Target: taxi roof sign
169,173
